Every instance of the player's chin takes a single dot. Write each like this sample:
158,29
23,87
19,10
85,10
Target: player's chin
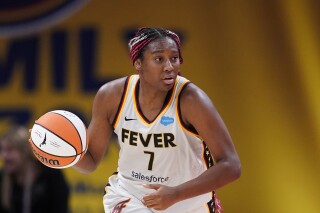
167,87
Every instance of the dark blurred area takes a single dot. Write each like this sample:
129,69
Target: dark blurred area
26,185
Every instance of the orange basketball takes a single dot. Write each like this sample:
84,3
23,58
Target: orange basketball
59,139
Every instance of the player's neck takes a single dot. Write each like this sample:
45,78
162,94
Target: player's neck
151,102
150,96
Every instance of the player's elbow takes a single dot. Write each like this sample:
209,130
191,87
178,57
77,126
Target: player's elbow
231,167
235,169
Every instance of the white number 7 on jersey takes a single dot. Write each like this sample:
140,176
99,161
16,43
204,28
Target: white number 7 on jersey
150,160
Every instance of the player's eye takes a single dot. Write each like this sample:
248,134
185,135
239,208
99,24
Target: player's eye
159,59
175,59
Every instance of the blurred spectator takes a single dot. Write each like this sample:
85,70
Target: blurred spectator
26,185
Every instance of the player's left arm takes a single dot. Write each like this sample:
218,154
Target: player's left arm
198,110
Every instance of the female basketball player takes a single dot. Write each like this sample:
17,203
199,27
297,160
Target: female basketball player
175,150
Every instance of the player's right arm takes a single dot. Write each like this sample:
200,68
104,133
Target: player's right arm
105,105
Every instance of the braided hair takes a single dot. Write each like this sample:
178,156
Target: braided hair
144,36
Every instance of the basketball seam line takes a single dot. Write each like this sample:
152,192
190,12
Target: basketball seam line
74,128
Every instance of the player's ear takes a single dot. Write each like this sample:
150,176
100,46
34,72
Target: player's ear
137,64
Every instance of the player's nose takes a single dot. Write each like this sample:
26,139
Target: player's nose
168,67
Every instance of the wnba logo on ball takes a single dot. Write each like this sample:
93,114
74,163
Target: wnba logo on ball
22,17
45,160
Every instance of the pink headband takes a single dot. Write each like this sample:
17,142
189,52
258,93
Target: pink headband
137,43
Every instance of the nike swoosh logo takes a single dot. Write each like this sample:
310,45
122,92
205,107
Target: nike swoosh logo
129,119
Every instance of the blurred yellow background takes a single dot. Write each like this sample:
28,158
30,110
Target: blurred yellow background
257,60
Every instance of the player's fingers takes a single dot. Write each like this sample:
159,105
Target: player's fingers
151,204
156,206
148,198
30,141
30,135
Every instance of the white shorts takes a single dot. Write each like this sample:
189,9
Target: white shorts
118,200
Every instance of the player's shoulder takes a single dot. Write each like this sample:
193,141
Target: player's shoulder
191,91
110,93
108,97
193,97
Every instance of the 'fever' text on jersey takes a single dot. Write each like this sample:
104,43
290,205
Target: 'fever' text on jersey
159,140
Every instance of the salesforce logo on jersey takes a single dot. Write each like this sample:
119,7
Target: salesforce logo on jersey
166,120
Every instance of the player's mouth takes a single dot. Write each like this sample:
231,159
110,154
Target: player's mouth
169,80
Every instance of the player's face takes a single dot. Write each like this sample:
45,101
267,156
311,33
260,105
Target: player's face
160,65
12,157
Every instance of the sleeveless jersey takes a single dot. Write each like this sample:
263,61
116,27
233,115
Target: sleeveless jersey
163,151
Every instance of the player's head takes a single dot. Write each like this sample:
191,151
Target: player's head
144,36
15,149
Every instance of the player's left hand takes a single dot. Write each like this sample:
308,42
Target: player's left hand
162,198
